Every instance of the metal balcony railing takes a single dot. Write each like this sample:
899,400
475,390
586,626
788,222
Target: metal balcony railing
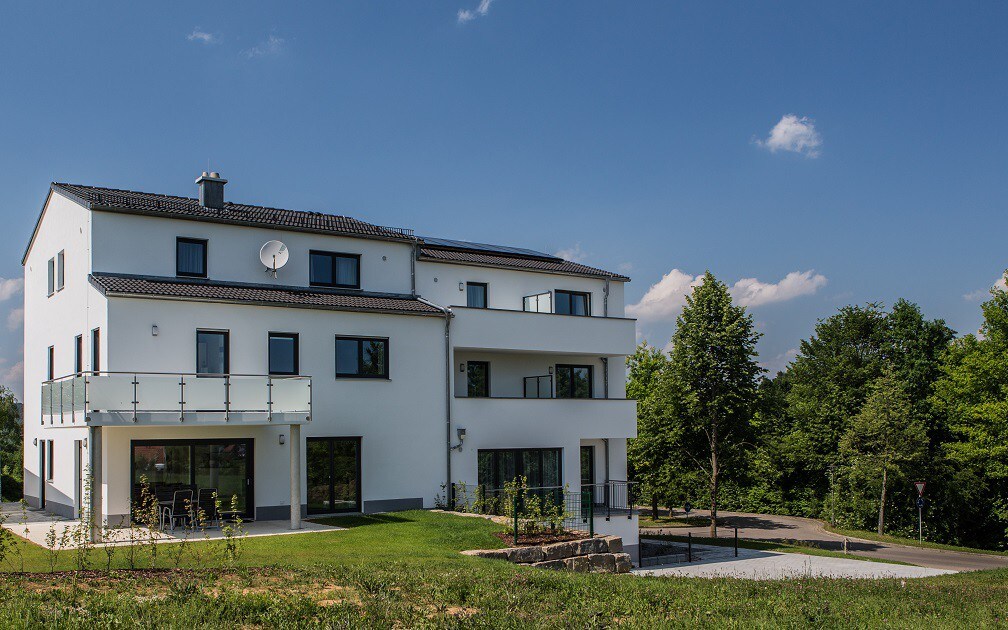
613,497
75,397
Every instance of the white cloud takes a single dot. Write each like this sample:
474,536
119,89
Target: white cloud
272,45
625,267
468,15
665,299
752,292
202,37
13,377
780,362
9,287
794,134
15,318
981,294
573,254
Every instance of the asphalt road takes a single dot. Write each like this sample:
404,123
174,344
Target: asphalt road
811,531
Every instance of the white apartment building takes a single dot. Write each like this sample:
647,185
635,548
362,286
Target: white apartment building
368,373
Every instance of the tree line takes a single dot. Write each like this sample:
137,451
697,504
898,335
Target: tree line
876,399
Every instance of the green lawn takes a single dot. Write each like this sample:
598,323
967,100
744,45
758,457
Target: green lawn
911,542
404,570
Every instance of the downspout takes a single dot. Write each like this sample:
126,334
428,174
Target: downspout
413,258
605,300
448,394
605,376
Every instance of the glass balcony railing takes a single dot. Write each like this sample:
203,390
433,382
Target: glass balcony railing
74,398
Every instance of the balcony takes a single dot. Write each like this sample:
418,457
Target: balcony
157,398
521,331
502,420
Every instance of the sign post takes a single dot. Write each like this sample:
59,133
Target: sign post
920,510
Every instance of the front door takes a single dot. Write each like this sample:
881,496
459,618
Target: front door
334,475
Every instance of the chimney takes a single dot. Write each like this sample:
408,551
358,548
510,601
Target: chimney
211,190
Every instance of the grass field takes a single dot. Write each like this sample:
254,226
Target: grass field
404,570
912,542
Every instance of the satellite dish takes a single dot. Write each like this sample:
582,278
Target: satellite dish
274,255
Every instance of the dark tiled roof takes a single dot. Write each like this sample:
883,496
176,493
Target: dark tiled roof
235,213
554,265
189,289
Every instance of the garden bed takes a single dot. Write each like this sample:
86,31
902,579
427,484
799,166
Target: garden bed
540,538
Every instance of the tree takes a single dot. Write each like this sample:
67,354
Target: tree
11,445
884,437
713,367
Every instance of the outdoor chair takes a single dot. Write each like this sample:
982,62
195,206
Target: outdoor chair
178,509
206,502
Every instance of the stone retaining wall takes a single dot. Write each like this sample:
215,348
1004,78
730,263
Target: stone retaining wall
602,554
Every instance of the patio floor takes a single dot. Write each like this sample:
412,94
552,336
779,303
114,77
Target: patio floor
39,523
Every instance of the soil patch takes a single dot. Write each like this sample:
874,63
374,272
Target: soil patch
540,538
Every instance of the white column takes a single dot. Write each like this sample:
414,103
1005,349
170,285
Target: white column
294,439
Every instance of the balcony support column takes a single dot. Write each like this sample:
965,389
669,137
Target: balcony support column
294,439
95,480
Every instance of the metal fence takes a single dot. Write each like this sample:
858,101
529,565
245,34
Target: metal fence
614,497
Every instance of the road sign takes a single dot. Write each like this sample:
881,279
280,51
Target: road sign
920,488
920,503
687,507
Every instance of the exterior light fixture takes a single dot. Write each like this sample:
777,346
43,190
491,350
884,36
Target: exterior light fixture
283,439
461,367
35,442
461,286
85,443
551,369
154,330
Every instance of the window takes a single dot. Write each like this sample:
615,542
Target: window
52,276
191,257
328,269
496,467
95,350
79,355
49,460
211,352
361,357
51,363
60,272
283,353
573,303
573,381
478,379
539,303
476,294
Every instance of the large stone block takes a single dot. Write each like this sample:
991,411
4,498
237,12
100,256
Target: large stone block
592,545
615,544
602,562
578,564
525,555
556,565
492,554
559,551
623,564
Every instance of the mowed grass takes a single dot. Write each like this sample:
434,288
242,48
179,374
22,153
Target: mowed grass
404,570
909,542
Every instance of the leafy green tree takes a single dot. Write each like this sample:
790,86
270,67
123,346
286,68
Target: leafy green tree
885,438
11,446
713,366
650,453
973,394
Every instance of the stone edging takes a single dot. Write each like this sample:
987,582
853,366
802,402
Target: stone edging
602,554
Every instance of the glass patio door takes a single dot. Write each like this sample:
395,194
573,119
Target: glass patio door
333,470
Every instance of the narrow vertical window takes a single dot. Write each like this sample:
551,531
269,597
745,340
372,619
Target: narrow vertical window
95,350
59,271
283,353
51,363
476,294
478,379
191,257
52,276
79,355
49,458
212,352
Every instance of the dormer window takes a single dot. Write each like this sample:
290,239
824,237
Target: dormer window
331,269
191,257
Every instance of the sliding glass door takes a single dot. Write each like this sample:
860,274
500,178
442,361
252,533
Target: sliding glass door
224,465
333,467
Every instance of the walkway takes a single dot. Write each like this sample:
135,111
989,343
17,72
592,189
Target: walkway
713,561
811,531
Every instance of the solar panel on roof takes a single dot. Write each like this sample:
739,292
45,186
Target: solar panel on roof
484,247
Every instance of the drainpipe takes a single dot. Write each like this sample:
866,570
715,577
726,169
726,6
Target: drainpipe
416,252
605,299
448,393
605,376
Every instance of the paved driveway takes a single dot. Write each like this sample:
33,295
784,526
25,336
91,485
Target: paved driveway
807,530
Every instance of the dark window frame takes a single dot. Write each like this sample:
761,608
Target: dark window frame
179,240
519,464
49,460
331,443
332,257
486,365
51,362
96,350
60,270
486,294
79,355
227,349
297,352
571,294
51,286
360,357
572,367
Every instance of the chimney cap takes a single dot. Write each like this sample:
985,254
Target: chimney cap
213,176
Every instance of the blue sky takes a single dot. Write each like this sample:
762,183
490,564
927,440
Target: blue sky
861,148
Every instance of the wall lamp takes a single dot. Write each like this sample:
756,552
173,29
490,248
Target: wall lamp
154,330
461,286
461,367
283,439
461,433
